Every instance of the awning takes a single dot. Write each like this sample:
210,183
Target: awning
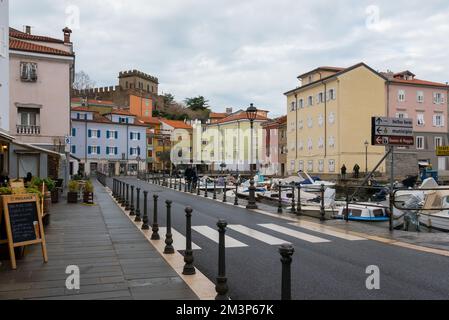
39,149
424,163
6,136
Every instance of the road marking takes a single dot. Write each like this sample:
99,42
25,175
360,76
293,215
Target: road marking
324,230
179,241
214,235
258,235
294,233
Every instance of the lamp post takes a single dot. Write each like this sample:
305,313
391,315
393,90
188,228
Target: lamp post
366,157
251,114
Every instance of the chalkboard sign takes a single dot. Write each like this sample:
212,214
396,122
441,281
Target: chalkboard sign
23,223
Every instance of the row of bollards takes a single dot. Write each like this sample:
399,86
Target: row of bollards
132,204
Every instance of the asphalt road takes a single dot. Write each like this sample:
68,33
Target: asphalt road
328,270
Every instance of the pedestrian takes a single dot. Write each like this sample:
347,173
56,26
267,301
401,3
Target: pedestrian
356,171
194,179
343,172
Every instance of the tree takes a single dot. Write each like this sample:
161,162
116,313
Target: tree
197,104
169,99
83,81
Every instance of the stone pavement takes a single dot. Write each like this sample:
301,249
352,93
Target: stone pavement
116,261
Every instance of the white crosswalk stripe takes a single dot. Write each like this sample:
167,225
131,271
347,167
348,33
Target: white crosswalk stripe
257,235
295,234
326,231
214,235
179,241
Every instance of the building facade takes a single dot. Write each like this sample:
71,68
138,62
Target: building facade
283,145
181,139
4,66
114,143
329,119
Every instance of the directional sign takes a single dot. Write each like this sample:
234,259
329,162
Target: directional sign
443,151
392,132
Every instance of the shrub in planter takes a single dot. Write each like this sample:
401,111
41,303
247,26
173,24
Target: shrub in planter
72,195
88,193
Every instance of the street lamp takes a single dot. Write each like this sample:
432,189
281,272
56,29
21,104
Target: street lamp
366,157
251,114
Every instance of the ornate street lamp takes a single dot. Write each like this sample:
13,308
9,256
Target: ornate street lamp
251,114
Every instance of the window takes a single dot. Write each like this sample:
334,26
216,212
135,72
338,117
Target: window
93,150
420,143
332,118
301,124
402,115
401,95
332,95
73,132
420,119
135,136
321,143
310,79
96,134
321,165
310,101
28,71
320,97
420,96
331,165
292,165
293,106
301,145
320,120
438,142
438,120
111,151
301,103
332,142
150,154
310,122
28,117
309,144
310,166
301,165
133,152
112,134
73,150
438,98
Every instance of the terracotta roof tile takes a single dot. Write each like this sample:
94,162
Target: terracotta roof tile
176,124
82,109
122,112
216,115
148,120
14,33
241,116
420,82
31,47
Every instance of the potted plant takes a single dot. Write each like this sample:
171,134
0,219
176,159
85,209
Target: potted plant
51,186
72,195
88,193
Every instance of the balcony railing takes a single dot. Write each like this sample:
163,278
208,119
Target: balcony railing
28,130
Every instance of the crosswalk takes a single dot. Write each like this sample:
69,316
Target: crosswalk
282,234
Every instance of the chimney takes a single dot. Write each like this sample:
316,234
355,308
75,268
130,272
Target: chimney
229,110
28,30
67,33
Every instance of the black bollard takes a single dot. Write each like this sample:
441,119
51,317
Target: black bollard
119,189
280,211
225,196
298,207
185,186
138,213
171,182
169,237
189,269
113,188
123,203
155,228
286,251
206,193
131,207
215,189
180,184
293,200
127,208
322,209
145,225
236,200
198,190
222,282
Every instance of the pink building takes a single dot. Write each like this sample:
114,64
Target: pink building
272,163
426,103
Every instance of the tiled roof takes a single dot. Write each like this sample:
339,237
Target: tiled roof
31,47
122,112
176,124
149,120
420,82
82,109
13,33
215,115
241,116
324,68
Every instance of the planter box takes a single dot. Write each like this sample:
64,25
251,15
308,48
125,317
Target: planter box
72,197
55,196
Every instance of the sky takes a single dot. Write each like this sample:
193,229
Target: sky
237,52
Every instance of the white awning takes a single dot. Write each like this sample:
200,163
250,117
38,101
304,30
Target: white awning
424,163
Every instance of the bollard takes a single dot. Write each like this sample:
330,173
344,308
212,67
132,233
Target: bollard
280,201
236,200
286,251
169,237
138,213
215,189
123,203
206,193
189,269
113,188
119,196
155,228
198,190
145,225
225,199
222,282
185,186
131,207
298,207
171,182
180,184
322,209
293,200
127,208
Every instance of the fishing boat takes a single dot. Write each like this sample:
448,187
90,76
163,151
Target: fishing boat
364,213
435,212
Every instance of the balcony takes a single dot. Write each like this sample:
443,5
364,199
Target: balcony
28,130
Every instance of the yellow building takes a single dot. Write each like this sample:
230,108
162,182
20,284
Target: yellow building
329,120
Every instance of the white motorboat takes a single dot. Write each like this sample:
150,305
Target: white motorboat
435,213
309,184
364,213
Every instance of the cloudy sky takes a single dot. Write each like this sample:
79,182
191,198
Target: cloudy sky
235,52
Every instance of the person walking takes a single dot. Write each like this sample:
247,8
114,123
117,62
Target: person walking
343,172
356,171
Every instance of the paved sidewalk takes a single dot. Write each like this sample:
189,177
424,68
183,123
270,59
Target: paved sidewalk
115,259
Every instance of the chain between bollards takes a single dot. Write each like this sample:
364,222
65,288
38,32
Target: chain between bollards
169,236
286,251
145,225
222,282
155,227
189,268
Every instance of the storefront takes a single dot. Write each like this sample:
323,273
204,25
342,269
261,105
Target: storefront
5,143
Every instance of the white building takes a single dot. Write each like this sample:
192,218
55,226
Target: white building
4,65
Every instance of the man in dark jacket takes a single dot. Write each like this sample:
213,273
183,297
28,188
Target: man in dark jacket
356,171
343,172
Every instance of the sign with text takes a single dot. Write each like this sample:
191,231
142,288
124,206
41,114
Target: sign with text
392,132
443,151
